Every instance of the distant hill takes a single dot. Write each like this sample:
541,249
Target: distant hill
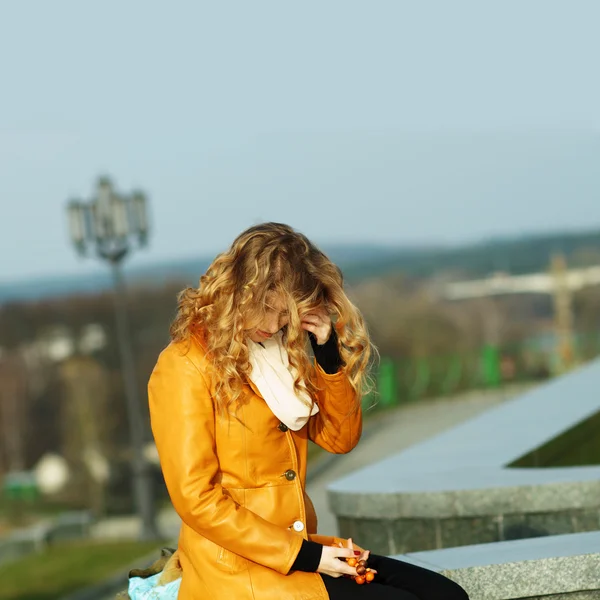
515,255
521,254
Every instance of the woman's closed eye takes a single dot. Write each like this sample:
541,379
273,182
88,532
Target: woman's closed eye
281,313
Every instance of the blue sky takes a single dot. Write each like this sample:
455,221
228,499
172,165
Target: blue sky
394,122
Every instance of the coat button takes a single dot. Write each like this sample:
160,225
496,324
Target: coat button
290,475
298,526
283,427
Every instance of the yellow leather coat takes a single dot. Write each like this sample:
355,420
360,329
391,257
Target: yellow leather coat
239,484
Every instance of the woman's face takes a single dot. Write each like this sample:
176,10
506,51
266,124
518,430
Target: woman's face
276,316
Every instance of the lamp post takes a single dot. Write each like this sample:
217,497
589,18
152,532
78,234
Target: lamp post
111,224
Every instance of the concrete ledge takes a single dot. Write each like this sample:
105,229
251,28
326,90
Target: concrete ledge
550,568
462,487
470,492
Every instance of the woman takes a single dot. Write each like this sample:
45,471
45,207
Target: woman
234,400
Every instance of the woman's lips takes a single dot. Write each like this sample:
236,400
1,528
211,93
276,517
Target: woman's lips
264,334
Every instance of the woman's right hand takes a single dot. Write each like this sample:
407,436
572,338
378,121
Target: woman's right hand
332,565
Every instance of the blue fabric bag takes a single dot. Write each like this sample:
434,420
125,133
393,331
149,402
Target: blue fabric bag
141,588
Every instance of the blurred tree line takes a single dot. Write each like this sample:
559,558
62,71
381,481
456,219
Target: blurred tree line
59,396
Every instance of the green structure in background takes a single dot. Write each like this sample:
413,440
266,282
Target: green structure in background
453,376
492,376
412,378
387,383
20,486
421,378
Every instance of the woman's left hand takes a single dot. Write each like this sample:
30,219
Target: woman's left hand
317,322
364,554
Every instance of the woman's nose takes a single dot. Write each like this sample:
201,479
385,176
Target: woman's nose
273,325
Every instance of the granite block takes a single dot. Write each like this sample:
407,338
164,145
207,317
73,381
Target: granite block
373,534
413,535
530,526
559,567
521,526
589,595
530,579
586,520
530,492
361,504
346,528
391,536
468,531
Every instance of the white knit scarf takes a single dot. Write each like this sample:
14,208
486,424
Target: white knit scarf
274,377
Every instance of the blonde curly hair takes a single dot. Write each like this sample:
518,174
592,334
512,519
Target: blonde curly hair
267,259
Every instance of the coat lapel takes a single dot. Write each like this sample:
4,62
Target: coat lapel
253,387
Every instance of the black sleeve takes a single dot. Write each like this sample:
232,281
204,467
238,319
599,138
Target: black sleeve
327,355
308,558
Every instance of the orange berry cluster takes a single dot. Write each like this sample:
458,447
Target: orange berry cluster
365,575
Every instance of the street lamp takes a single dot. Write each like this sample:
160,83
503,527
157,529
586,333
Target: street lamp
111,224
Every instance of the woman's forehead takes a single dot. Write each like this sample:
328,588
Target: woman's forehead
276,301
